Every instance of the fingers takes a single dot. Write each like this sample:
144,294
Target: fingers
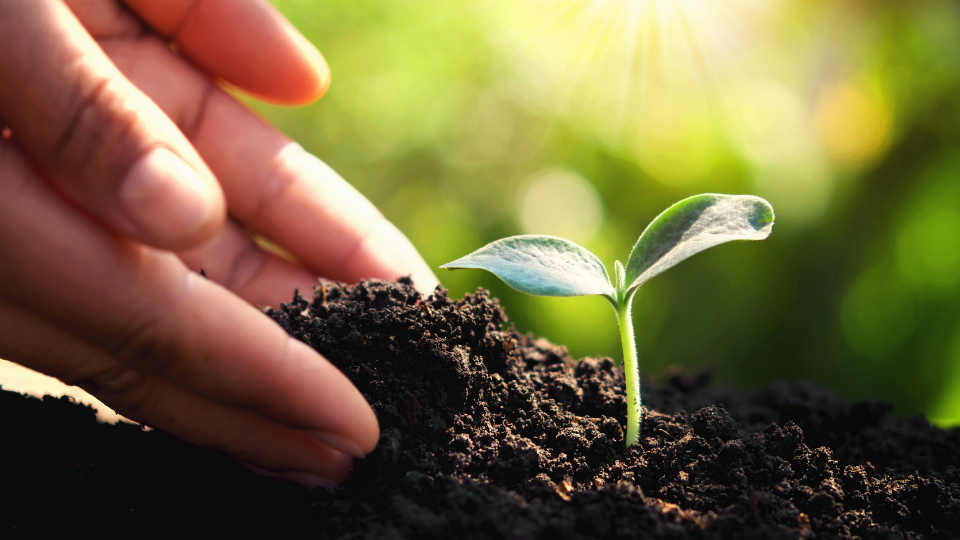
106,19
311,210
250,437
233,260
272,184
248,44
98,138
146,309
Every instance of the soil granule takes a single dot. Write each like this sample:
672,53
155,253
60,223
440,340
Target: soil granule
488,433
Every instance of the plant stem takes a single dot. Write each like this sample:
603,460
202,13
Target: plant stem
625,321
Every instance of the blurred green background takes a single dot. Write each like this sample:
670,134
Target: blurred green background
468,121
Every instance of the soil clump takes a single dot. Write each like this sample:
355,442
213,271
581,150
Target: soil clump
489,433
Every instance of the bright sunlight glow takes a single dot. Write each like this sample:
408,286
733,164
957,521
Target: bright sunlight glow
691,89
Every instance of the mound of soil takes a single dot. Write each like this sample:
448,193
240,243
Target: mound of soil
487,433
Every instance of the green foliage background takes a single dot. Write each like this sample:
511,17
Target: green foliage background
845,115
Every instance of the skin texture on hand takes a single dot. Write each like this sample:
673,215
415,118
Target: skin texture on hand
128,170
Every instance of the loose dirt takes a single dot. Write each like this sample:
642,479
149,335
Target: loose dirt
488,433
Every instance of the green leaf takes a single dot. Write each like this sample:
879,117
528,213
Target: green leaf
693,225
541,265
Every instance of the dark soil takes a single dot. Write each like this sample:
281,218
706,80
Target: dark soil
487,433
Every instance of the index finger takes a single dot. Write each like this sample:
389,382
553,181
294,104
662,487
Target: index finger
272,184
248,44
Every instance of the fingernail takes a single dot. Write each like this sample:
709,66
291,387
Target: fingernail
163,195
424,281
340,443
395,251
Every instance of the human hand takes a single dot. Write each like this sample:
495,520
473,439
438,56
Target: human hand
117,173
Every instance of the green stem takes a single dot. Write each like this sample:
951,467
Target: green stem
625,321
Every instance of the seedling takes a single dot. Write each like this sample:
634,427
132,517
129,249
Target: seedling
551,266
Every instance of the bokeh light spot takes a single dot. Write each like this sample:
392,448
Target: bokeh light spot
562,203
676,141
854,121
768,122
771,128
800,193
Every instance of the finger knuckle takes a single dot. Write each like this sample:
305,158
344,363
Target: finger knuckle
245,267
97,139
126,390
139,348
278,183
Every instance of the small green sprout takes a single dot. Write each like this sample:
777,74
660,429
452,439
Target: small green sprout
551,266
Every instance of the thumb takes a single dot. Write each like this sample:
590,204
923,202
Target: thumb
104,143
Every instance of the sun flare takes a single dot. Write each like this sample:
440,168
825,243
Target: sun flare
619,51
687,87
642,74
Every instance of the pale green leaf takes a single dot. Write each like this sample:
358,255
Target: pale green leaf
693,225
541,265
